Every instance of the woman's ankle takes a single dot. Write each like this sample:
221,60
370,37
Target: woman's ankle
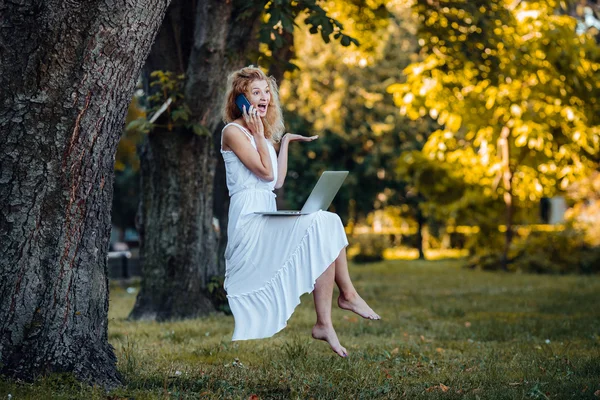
348,295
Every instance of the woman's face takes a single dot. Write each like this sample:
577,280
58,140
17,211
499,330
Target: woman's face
260,96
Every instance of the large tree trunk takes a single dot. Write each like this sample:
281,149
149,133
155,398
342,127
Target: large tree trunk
67,73
179,249
177,235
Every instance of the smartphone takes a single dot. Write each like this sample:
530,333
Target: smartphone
241,101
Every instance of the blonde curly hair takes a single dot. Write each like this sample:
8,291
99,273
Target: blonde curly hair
239,82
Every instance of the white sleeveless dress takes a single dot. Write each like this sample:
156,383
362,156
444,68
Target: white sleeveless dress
271,261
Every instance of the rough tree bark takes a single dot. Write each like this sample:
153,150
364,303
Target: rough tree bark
67,73
179,245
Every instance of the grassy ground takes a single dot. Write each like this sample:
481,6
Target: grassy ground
446,333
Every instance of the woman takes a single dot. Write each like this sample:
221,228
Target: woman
272,261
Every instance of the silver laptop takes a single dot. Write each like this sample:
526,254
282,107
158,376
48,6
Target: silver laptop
321,196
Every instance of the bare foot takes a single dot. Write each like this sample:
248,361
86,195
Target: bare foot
327,333
357,305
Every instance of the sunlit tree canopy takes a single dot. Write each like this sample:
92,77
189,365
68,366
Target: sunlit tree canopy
512,78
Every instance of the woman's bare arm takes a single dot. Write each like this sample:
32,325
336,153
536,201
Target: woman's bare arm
282,159
282,162
256,160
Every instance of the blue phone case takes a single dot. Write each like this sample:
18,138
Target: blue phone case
241,101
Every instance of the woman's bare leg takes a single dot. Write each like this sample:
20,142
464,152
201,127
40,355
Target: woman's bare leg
323,329
349,298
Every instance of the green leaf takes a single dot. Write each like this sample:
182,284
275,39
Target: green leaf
326,25
200,130
287,23
275,16
180,114
139,125
289,66
278,40
264,35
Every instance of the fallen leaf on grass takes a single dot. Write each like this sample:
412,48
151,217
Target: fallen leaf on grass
467,324
387,374
597,393
351,319
253,397
395,351
441,387
439,350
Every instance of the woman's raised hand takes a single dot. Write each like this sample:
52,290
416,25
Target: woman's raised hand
292,137
253,121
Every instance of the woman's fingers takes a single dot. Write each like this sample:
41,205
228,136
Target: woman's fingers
253,120
253,113
250,111
250,115
246,113
293,137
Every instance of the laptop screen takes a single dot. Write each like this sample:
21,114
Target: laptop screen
324,191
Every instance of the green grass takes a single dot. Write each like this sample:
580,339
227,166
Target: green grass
446,333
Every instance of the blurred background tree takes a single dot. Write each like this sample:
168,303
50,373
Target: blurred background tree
515,90
340,94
